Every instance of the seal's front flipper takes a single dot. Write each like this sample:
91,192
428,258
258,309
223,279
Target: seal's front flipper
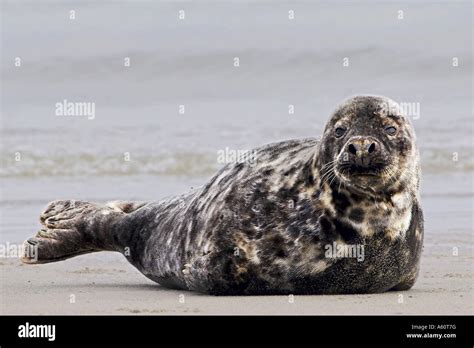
71,228
407,283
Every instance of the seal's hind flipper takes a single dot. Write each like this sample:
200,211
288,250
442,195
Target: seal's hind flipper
71,228
125,207
53,245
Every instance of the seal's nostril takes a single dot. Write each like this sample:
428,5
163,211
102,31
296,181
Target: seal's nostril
352,149
371,148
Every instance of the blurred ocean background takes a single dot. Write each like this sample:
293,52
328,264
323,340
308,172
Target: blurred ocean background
190,62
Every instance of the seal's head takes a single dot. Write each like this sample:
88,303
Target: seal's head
369,146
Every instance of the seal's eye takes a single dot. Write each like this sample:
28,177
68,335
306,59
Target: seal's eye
340,132
391,130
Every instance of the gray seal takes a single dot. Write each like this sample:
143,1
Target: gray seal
338,215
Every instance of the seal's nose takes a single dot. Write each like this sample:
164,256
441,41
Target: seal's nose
362,149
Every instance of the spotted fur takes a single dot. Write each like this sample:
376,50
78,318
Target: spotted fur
262,227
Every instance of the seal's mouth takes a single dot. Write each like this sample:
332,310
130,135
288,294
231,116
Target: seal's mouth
362,177
363,162
357,171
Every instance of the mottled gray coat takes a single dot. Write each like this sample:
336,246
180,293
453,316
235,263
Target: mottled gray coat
264,226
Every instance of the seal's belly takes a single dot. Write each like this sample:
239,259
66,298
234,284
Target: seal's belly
377,268
373,265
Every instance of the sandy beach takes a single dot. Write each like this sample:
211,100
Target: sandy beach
105,283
